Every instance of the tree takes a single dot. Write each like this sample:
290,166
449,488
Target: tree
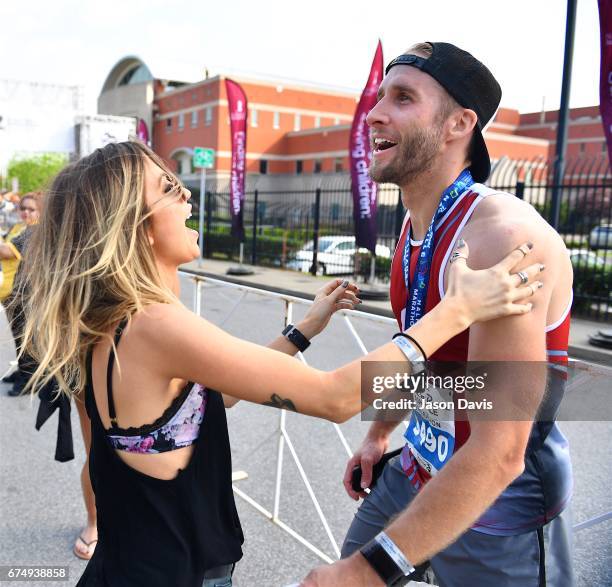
35,172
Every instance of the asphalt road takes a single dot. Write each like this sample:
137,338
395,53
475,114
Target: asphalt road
41,511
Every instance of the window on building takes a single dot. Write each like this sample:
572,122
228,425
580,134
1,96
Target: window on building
261,211
168,124
299,166
334,216
318,165
254,118
194,119
185,166
208,115
297,122
263,166
604,147
183,163
317,121
338,164
276,120
181,121
337,120
582,147
136,75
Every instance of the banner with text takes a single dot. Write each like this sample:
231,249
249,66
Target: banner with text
237,104
142,132
605,83
360,153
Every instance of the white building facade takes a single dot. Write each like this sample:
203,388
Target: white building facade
38,118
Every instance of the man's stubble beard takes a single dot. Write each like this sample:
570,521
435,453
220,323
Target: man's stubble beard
417,154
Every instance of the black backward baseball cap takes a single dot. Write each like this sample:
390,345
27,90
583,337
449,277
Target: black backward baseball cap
470,83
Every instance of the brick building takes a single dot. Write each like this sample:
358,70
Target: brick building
297,133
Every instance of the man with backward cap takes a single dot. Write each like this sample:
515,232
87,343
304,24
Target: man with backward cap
496,511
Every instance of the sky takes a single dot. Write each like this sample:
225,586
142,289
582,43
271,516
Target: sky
329,42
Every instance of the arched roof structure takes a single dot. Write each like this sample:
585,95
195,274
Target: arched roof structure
133,69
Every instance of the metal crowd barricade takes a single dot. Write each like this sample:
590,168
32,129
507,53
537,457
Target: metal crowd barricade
283,435
284,438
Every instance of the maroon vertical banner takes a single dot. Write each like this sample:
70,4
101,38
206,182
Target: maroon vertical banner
360,153
605,79
142,132
237,104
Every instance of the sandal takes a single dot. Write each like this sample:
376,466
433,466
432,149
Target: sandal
89,554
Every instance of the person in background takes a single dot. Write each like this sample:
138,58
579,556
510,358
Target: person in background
10,257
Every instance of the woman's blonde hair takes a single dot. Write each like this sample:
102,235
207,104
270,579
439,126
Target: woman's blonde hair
89,263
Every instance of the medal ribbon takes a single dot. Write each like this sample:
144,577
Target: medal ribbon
417,291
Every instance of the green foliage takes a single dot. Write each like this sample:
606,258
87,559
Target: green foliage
565,212
274,247
573,241
382,267
35,172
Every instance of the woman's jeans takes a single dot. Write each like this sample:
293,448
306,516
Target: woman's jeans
219,577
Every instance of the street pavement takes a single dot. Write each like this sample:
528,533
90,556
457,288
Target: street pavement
41,510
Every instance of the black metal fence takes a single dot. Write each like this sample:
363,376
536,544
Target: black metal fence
312,230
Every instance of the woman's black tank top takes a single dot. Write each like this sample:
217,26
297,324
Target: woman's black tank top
154,532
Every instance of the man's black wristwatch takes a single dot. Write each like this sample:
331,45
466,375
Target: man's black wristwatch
294,336
388,562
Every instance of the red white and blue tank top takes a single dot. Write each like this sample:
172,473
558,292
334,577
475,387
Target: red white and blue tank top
544,488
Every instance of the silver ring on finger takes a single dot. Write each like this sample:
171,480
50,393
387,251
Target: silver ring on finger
523,277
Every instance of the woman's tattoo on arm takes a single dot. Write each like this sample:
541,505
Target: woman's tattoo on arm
278,402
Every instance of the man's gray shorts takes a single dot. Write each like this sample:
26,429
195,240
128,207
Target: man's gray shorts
537,558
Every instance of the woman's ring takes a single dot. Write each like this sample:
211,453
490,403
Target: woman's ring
523,276
522,250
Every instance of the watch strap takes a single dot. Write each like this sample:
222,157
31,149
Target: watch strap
294,336
386,559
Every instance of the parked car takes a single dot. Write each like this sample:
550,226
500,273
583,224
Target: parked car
585,258
601,237
335,256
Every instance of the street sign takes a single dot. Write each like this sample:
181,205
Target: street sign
203,158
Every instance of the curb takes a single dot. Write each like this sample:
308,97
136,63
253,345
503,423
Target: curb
587,353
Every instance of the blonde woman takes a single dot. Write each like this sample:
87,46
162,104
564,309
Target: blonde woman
104,319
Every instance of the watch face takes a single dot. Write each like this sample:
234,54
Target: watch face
292,334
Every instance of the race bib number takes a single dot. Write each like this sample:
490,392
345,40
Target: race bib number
431,430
